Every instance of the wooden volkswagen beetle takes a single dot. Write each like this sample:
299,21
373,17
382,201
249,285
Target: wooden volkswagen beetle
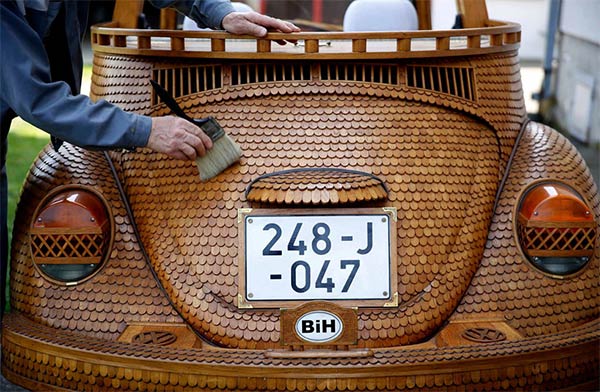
395,222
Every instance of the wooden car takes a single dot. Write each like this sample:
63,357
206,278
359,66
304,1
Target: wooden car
395,222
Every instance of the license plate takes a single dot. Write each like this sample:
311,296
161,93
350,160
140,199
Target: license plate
333,255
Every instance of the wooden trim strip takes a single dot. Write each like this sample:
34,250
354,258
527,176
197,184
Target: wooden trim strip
408,44
500,28
67,260
316,55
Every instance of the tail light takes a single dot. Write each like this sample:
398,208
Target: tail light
71,234
556,228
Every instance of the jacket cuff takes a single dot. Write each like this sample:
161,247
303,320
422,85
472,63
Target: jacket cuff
219,12
139,132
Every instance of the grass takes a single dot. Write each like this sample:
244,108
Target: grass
24,143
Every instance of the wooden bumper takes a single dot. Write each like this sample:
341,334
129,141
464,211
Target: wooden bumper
42,358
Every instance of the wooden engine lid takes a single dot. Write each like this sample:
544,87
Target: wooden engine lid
316,186
192,235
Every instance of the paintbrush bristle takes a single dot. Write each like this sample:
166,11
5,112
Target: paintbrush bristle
223,154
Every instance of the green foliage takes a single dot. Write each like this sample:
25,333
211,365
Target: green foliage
24,143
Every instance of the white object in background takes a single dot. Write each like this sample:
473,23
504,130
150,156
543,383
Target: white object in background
581,107
380,15
189,24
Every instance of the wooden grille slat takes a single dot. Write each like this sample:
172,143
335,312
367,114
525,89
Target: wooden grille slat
377,73
178,81
457,81
262,72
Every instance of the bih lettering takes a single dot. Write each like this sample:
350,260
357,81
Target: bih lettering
319,327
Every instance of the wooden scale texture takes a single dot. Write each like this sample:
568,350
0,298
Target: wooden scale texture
191,236
164,312
136,294
503,284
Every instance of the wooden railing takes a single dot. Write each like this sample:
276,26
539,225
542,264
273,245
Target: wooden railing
500,37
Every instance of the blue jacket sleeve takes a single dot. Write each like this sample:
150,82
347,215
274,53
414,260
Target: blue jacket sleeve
26,86
207,13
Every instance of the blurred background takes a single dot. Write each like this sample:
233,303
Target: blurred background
559,54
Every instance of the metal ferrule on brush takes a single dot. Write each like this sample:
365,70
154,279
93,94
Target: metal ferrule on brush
211,128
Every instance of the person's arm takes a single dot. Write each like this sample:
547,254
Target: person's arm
219,14
208,13
26,86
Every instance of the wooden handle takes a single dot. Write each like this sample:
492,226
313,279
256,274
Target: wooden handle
474,13
127,12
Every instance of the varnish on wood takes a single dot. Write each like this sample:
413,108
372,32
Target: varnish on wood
394,223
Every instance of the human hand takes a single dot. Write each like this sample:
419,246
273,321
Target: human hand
255,24
178,138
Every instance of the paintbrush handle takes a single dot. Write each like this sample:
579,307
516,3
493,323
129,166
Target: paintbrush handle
211,128
175,108
169,101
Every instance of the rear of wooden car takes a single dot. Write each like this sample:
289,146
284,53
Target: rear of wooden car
395,223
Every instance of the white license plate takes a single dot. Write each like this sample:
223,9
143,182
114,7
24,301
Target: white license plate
296,256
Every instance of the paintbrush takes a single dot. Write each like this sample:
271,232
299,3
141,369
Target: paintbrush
224,152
